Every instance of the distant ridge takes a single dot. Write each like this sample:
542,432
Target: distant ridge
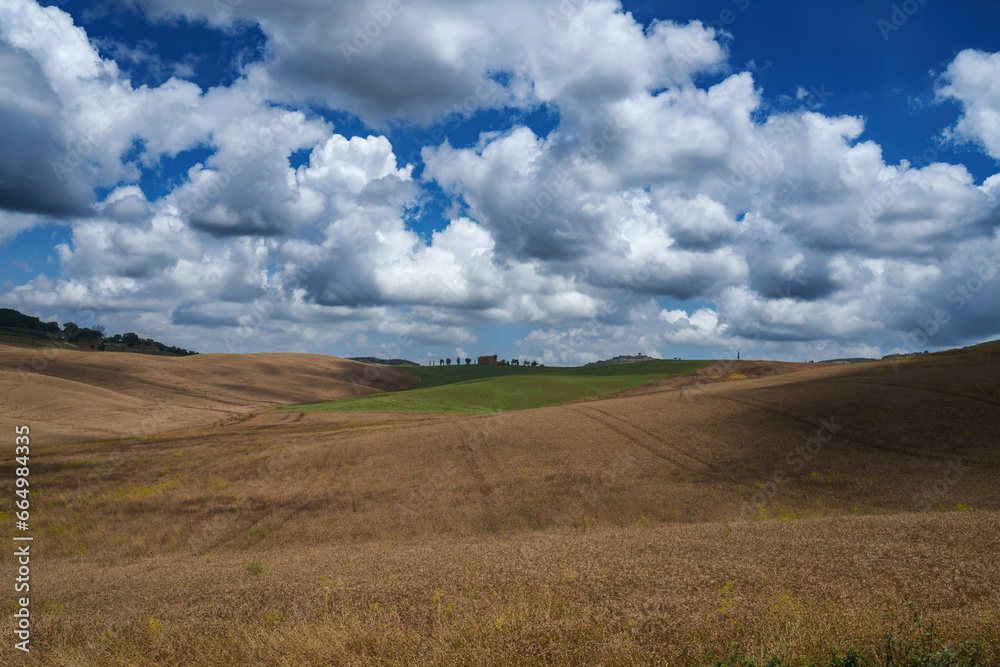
622,359
384,362
16,328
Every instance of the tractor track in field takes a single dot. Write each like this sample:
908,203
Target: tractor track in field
474,448
919,387
689,435
847,433
309,479
622,428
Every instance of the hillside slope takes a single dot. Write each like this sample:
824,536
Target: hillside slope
814,441
70,395
781,514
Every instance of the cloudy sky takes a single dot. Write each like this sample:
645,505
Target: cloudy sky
556,180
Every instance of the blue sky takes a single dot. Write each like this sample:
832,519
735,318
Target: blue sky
556,181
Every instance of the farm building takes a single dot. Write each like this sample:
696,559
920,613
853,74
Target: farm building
489,361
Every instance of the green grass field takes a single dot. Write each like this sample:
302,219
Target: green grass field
482,389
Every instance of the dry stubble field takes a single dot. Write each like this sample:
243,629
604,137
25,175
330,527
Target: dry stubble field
670,524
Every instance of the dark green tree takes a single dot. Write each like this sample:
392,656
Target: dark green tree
18,320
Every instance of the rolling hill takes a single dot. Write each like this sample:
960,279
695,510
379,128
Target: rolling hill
485,389
751,509
78,395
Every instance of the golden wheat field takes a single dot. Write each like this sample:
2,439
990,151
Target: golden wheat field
75,395
754,509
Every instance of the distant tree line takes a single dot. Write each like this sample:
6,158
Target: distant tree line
14,320
468,361
19,323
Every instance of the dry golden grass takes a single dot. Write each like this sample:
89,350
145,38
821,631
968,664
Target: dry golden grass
665,525
72,395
